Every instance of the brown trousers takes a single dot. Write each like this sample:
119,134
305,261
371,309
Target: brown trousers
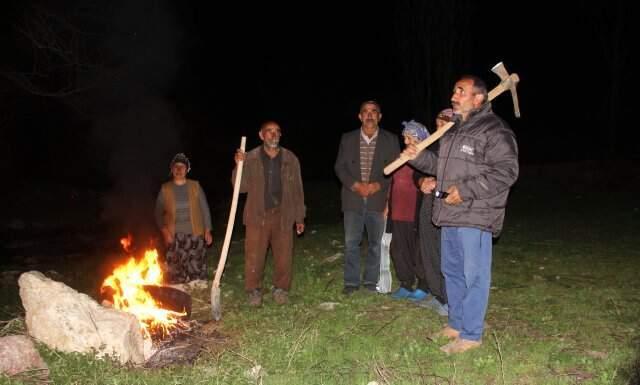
257,241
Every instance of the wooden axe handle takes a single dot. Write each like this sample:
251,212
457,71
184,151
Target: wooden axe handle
421,146
232,218
504,85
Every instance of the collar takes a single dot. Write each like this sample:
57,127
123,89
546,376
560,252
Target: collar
366,138
264,155
479,111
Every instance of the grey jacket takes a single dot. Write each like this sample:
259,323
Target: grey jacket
347,168
480,157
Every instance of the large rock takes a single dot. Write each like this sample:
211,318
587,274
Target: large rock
69,321
18,354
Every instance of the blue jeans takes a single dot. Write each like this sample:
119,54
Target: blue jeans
466,265
355,222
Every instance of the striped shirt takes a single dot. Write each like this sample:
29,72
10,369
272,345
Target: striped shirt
183,212
367,149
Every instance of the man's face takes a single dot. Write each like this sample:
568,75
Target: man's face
270,135
179,170
370,116
464,99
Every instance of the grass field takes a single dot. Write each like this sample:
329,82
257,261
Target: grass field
564,309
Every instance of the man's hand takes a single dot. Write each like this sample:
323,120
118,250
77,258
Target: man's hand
361,189
208,238
299,228
410,152
240,156
374,187
454,196
427,184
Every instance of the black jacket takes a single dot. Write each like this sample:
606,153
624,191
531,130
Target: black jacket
347,168
480,157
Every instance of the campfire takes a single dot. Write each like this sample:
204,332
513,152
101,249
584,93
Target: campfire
137,287
133,287
141,321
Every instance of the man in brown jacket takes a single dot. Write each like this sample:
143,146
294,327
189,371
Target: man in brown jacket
275,202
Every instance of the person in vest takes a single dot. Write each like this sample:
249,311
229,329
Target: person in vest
182,214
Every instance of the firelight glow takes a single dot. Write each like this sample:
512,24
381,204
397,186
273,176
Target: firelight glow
127,283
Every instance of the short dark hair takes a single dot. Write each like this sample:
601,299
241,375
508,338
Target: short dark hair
479,86
374,102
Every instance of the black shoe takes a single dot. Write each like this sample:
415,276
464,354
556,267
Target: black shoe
371,288
348,290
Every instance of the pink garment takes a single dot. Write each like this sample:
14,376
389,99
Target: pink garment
404,195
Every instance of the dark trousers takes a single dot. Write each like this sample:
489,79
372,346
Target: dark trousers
257,241
405,252
355,223
431,277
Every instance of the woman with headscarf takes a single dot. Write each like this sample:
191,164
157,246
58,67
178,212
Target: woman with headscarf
182,214
402,222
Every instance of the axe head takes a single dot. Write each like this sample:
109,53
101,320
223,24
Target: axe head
510,81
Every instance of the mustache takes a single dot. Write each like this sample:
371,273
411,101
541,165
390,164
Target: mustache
272,143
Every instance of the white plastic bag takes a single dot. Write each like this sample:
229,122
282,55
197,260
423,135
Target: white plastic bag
384,282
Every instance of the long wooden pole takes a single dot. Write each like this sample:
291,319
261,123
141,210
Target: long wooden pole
216,308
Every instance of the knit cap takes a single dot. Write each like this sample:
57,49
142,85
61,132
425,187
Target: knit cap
181,158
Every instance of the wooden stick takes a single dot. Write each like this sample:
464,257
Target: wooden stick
391,167
215,287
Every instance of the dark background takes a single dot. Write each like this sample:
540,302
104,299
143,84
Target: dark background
98,96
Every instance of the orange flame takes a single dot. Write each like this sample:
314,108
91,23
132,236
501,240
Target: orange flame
126,243
127,283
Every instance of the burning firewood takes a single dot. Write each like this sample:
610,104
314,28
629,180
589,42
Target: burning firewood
128,289
170,298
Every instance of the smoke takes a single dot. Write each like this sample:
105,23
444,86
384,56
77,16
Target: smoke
137,126
140,142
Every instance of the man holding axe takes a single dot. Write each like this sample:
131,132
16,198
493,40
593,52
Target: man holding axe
476,165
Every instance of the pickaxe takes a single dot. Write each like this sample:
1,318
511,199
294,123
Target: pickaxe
508,83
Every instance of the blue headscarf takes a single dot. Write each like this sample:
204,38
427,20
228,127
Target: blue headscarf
415,129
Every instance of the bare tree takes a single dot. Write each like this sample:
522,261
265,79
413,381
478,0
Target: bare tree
433,40
62,48
608,25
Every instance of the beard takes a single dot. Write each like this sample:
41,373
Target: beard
272,144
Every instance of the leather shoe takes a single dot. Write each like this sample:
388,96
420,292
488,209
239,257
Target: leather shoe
460,345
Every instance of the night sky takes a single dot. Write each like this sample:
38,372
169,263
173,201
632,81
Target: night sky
100,95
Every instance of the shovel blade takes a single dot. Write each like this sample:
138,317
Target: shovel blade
216,307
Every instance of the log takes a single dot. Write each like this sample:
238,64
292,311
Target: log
171,298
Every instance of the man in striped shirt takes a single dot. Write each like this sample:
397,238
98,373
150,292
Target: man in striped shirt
362,156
